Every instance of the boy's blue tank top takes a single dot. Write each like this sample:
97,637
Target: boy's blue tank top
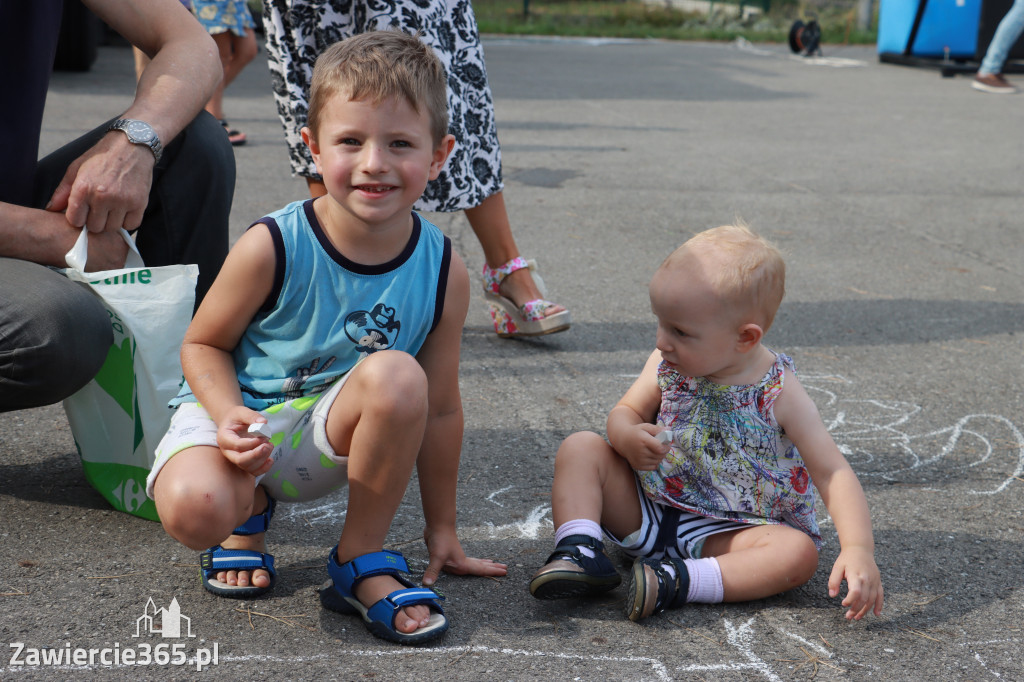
325,312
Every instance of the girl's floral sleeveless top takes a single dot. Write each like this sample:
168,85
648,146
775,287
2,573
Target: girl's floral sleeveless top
729,457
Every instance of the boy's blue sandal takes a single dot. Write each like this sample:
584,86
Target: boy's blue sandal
339,596
569,572
217,559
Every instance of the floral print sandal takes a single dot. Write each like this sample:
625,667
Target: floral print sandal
511,320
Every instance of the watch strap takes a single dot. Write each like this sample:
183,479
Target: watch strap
153,143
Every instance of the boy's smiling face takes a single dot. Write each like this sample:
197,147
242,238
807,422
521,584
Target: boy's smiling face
376,159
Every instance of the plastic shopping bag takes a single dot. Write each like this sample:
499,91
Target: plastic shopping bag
118,418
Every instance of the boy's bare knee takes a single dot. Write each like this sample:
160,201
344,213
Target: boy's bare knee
196,517
394,381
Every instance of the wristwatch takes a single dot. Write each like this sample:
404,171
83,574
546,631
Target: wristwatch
139,132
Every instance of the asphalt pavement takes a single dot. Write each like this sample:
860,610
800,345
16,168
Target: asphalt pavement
895,195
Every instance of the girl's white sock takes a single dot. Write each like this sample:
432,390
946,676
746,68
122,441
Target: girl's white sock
579,527
705,580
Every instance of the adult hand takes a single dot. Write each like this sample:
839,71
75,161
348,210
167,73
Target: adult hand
44,237
107,251
107,187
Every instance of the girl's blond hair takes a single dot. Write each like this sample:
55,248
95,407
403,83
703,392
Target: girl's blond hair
743,268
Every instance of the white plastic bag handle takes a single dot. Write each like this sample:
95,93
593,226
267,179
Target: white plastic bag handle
79,253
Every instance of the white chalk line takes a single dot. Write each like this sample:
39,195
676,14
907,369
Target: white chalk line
745,45
490,498
818,648
977,654
977,657
527,529
740,638
858,422
656,666
333,511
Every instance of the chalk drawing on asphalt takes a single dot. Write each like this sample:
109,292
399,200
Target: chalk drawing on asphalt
883,439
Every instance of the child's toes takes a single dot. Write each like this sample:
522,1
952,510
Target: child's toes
412,618
421,614
406,623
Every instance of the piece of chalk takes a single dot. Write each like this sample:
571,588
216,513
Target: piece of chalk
262,429
664,436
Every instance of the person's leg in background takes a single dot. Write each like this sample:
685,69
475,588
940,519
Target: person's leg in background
490,224
235,54
989,77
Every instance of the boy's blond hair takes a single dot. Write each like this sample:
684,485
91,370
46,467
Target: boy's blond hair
378,66
743,268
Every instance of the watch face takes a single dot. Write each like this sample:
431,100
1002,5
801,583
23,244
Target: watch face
139,131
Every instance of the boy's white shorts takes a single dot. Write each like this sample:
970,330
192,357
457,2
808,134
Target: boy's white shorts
305,465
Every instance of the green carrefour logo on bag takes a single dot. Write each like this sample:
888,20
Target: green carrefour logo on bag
123,486
117,376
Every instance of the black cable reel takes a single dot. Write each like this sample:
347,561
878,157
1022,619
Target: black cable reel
805,38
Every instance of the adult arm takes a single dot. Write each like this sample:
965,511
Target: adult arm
45,237
108,187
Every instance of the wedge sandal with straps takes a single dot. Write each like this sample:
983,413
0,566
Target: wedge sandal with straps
528,319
